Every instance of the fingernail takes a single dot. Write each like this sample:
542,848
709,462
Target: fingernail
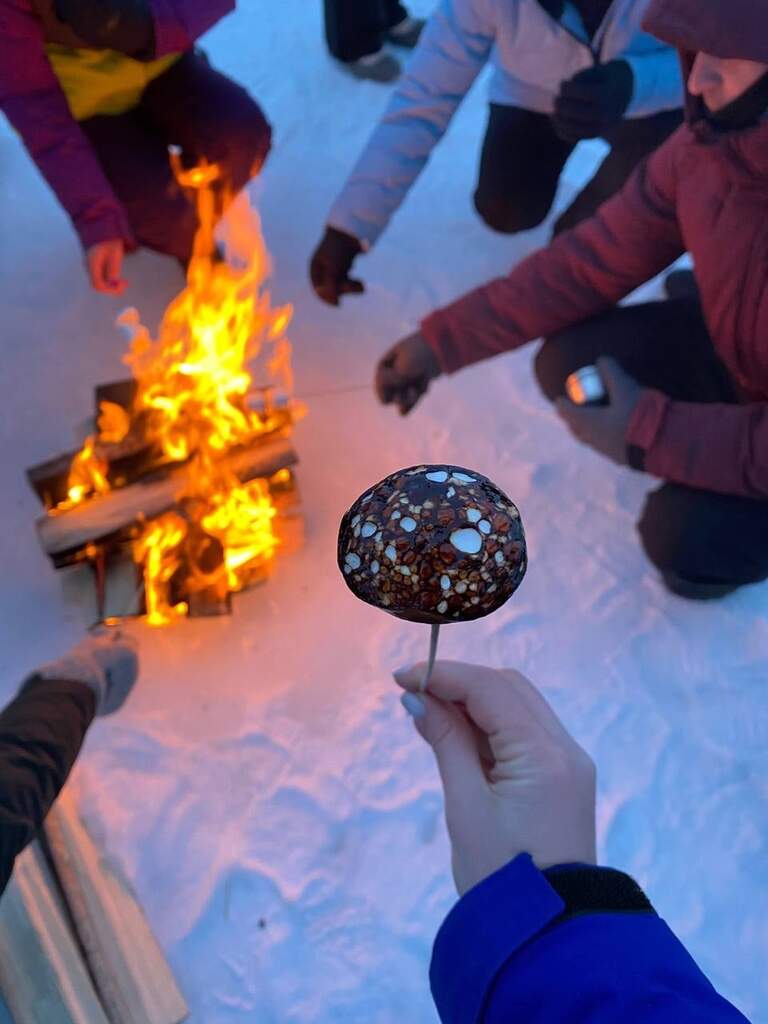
414,705
403,675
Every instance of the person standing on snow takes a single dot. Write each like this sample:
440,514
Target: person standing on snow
687,379
43,728
541,933
563,70
356,30
98,90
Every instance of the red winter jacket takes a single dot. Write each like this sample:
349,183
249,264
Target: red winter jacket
33,101
705,195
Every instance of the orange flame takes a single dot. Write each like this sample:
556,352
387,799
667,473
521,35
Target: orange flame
195,391
87,475
158,550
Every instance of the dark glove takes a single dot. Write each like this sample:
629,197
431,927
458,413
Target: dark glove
593,101
405,372
605,427
331,264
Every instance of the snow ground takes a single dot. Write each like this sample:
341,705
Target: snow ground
263,790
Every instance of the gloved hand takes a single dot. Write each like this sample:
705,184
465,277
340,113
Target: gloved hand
605,427
404,373
331,264
107,662
515,781
593,101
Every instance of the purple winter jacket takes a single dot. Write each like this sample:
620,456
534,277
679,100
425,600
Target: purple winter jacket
34,102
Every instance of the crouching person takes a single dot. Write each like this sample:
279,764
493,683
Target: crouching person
562,72
541,933
98,91
688,378
43,728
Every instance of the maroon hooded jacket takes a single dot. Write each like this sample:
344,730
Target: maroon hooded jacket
34,102
708,196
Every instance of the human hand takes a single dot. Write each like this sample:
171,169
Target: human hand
515,781
104,261
594,100
106,661
605,427
404,373
331,264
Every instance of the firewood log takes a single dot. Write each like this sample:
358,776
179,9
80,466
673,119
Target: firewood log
102,516
42,974
132,977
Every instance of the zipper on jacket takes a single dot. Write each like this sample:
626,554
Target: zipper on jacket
602,31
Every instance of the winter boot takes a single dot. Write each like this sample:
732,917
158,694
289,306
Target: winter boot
406,33
697,590
376,67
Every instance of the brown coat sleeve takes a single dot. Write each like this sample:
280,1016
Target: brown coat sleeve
41,733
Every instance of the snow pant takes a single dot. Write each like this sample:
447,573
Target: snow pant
192,106
689,534
41,733
356,28
522,159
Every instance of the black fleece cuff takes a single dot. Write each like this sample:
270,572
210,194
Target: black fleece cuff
586,889
636,457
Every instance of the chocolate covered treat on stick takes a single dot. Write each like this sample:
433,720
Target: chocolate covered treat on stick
433,544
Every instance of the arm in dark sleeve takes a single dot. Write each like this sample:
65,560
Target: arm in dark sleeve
41,733
124,25
575,943
721,448
631,238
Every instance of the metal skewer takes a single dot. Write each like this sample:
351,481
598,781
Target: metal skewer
434,637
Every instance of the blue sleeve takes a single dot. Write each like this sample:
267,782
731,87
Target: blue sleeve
658,81
453,48
508,953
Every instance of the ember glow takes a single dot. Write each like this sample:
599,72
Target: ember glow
216,378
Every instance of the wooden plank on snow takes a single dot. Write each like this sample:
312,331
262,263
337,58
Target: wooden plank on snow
42,974
131,974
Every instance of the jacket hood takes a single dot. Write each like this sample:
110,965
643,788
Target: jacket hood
736,29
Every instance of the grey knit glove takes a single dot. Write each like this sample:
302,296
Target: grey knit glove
107,662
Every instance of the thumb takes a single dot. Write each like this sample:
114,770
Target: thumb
447,730
351,286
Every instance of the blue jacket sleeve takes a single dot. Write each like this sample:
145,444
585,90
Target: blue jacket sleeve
513,949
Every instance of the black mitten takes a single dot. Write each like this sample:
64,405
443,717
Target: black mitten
593,101
331,264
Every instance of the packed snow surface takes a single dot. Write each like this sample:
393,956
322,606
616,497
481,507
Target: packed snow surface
263,790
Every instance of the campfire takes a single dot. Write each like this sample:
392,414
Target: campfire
184,493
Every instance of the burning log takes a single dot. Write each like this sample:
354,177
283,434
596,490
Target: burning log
183,469
68,531
133,456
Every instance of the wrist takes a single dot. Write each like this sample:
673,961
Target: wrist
37,685
344,240
586,888
75,669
